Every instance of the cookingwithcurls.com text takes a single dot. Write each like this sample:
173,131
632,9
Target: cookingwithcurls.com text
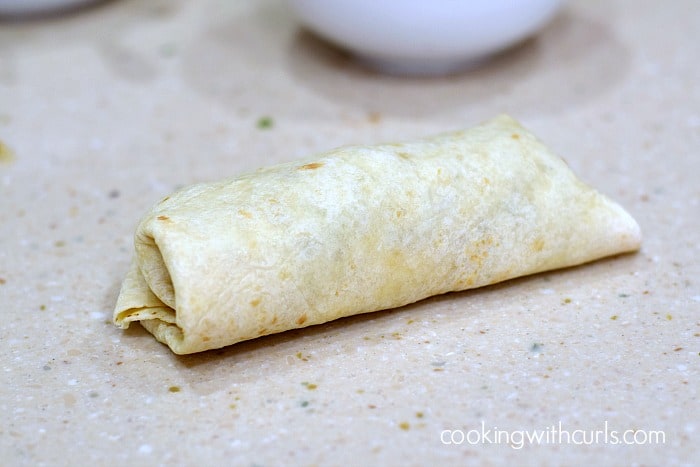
553,434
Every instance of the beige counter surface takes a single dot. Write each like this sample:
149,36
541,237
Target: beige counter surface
108,109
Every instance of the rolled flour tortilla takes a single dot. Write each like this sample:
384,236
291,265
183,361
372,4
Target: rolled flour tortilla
360,229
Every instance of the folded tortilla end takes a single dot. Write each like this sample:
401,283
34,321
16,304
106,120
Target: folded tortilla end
169,334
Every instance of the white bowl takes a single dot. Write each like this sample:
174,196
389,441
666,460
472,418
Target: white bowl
424,36
30,7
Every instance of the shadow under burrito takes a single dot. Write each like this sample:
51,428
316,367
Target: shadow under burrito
278,354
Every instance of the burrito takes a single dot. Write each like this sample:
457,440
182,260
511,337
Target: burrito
361,229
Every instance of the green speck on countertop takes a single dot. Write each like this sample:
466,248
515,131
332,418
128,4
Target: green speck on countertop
304,403
536,347
167,50
174,389
613,317
6,154
265,123
309,386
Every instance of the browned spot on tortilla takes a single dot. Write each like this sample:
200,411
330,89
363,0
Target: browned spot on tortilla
538,244
263,331
163,218
403,155
515,136
302,319
311,166
486,181
479,251
245,213
468,281
255,302
206,338
399,213
284,274
274,319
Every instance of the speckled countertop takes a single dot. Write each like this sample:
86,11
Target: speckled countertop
106,110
